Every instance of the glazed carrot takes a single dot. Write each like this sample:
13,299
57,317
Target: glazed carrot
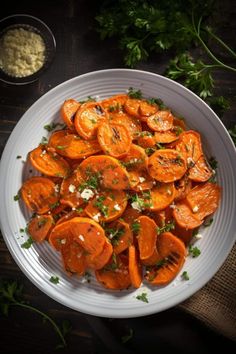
99,261
161,196
147,236
87,119
160,121
40,226
204,199
107,205
201,171
114,139
73,146
115,275
184,216
88,233
112,174
49,162
166,165
73,257
136,159
68,111
114,103
131,123
189,145
173,253
182,187
120,235
131,106
135,267
59,235
39,194
69,190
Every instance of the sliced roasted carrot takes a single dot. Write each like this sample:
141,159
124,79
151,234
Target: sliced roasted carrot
147,236
182,187
107,205
114,103
39,194
136,159
131,106
153,259
49,162
162,217
60,235
89,234
114,139
173,252
131,123
135,267
184,216
146,140
141,181
201,171
166,137
73,146
160,121
68,111
161,196
167,165
112,174
147,109
120,235
87,119
189,145
115,275
40,226
130,215
73,256
204,199
69,191
99,261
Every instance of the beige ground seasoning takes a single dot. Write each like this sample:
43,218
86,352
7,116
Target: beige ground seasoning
22,52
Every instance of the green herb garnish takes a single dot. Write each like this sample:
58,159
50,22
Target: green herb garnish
166,227
185,275
27,244
54,279
194,251
142,297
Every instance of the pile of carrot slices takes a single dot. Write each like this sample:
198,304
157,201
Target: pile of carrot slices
122,189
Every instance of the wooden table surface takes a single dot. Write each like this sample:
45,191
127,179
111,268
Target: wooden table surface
79,51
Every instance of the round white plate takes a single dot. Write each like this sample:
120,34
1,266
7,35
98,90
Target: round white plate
40,262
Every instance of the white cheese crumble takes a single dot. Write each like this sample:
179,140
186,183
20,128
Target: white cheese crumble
87,194
96,217
63,241
198,236
81,237
117,207
136,206
56,188
195,209
22,52
71,188
142,179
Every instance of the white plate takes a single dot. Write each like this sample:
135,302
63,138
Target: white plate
40,262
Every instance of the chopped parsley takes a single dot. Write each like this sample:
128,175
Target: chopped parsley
114,234
166,227
135,227
142,297
156,101
132,93
51,127
213,163
208,222
44,141
127,337
27,244
194,251
54,279
42,222
16,197
185,275
18,156
101,207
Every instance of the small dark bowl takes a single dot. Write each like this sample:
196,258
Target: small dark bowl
33,24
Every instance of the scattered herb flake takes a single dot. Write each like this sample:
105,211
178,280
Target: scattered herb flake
194,251
132,93
18,156
142,297
54,279
16,197
27,244
166,227
185,275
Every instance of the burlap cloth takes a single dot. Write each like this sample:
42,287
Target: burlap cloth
215,303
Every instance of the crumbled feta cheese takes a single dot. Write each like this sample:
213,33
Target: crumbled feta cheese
117,207
72,188
168,192
96,217
136,206
198,236
56,188
190,161
63,241
73,208
81,237
172,206
87,194
195,209
142,179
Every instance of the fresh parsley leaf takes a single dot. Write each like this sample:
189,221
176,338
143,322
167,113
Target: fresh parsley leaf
27,244
132,93
135,227
142,297
16,197
54,279
166,227
207,223
185,275
194,251
53,126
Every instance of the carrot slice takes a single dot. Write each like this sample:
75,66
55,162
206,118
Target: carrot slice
182,187
166,165
99,261
146,140
70,194
107,205
114,103
131,123
160,121
189,145
184,216
161,196
73,257
88,233
120,235
87,119
112,174
115,275
135,267
204,199
153,259
68,111
172,252
201,171
136,159
114,139
147,109
49,162
130,215
73,146
184,234
39,194
166,137
147,236
131,106
60,235
141,181
40,226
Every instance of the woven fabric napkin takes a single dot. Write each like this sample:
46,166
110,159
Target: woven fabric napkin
215,303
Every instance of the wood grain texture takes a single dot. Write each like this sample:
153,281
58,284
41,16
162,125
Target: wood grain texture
79,50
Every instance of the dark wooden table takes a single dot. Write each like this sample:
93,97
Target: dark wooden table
79,50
